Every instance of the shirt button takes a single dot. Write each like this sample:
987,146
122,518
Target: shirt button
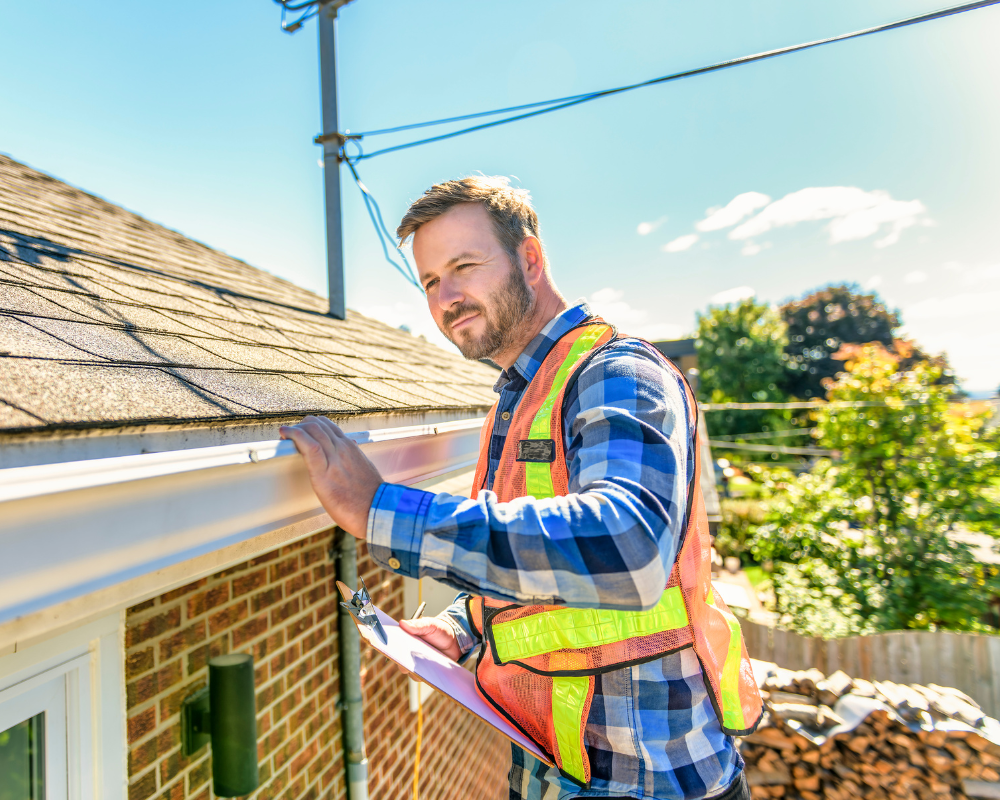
394,563
505,416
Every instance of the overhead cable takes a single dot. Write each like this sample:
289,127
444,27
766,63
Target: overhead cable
574,100
384,237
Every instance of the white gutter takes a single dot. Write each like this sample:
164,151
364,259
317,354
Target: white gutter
70,529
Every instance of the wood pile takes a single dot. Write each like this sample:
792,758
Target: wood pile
815,744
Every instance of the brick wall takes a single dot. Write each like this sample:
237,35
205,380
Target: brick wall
282,609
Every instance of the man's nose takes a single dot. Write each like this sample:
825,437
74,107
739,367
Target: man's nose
449,294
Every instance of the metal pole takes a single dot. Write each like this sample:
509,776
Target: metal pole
331,163
352,719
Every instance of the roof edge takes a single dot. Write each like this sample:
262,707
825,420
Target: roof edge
28,447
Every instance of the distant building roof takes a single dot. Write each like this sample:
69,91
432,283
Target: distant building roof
675,348
107,319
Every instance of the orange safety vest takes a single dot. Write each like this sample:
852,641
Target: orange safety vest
538,662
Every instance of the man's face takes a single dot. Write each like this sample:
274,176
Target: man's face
476,296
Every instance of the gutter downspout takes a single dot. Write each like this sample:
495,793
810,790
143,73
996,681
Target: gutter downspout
351,699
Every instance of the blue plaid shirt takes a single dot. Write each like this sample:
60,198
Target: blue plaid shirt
610,543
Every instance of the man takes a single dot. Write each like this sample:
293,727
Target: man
581,516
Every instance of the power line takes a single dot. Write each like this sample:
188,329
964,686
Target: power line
384,237
574,100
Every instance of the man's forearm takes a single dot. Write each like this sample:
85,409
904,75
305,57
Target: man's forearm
600,548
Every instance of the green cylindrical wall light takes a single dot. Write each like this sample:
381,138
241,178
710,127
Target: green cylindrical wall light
225,713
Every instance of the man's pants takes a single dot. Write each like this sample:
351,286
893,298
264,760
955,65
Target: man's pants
738,790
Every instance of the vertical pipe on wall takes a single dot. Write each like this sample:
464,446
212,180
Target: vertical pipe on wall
352,718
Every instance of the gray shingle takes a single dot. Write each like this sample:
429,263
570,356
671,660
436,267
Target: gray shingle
109,319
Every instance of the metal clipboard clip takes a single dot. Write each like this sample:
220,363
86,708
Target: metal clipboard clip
361,608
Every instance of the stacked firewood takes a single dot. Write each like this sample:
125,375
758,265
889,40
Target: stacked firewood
896,747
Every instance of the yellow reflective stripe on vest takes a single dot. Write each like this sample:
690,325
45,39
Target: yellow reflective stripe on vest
729,681
569,696
576,628
538,476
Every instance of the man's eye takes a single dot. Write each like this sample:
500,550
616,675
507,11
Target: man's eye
430,285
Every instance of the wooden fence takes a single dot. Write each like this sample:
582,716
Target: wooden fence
966,661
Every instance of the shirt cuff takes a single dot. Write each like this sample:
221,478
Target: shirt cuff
396,523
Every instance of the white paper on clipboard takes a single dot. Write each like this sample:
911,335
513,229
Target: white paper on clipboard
437,670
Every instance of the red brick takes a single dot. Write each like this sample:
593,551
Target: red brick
268,645
313,555
284,568
302,759
138,663
138,609
287,703
249,582
143,755
141,724
148,686
227,617
263,559
143,788
268,694
207,600
266,598
283,755
139,632
175,792
183,590
315,594
198,658
297,583
199,773
184,639
284,611
251,630
171,704
300,626
171,766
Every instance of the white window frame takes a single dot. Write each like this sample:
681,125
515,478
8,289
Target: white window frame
77,678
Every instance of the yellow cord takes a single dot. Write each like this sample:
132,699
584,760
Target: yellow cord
420,710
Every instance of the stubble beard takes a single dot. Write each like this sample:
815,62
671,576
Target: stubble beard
510,305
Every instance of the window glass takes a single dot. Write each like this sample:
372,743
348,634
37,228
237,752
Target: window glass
22,754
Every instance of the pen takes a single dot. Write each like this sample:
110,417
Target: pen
420,610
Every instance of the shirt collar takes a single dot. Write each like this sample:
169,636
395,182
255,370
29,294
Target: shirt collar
533,355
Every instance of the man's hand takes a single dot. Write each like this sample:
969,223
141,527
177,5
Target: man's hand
344,480
436,632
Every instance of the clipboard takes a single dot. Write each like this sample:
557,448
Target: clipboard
427,664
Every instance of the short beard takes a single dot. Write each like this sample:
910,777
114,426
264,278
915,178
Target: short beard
511,305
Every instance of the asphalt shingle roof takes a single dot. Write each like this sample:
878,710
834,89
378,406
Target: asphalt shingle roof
107,319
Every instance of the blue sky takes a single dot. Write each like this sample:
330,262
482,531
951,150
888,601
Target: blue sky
872,161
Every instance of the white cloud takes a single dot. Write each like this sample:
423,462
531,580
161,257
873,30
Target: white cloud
962,324
681,243
752,248
917,276
873,282
646,228
853,213
609,303
735,210
733,295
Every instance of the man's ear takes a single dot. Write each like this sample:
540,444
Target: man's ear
533,259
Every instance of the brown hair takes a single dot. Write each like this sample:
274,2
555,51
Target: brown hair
510,209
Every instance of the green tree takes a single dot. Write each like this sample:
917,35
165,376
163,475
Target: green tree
741,359
820,323
879,526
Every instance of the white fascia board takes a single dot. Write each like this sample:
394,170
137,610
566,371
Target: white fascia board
67,530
